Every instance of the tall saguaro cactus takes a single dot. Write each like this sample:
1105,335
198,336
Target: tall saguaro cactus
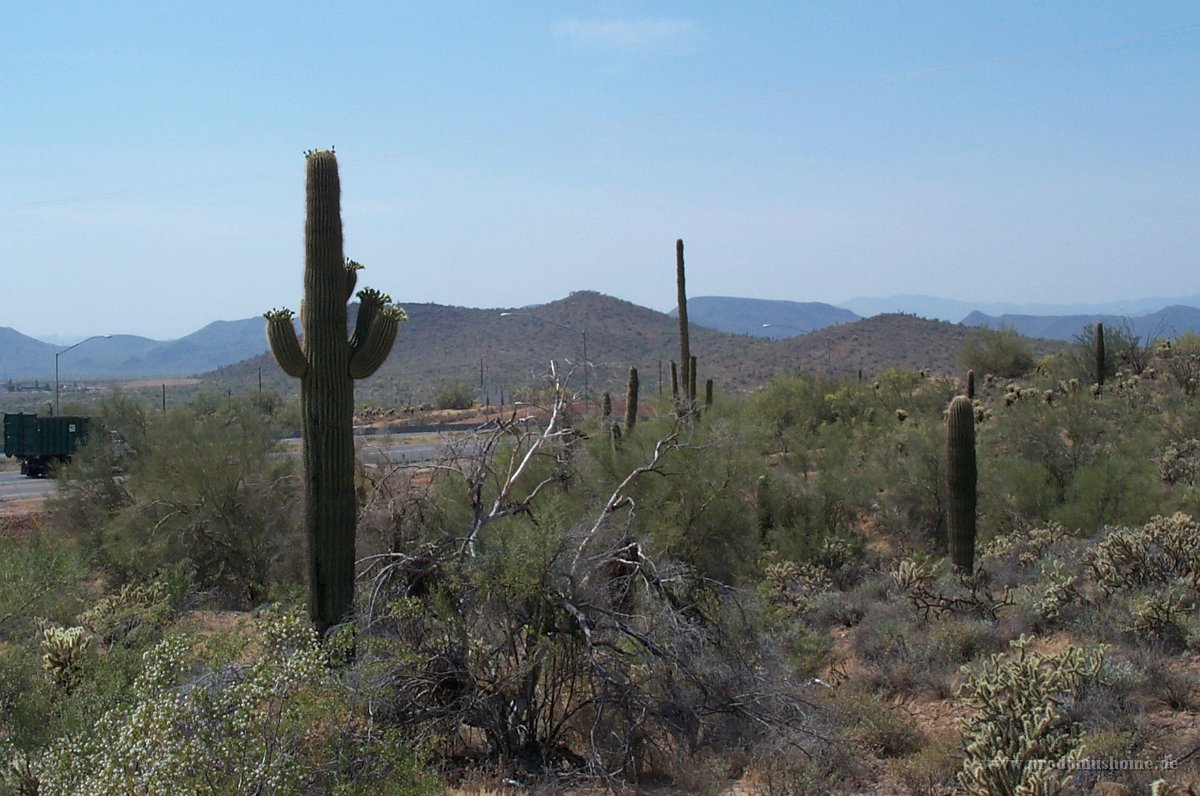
631,401
326,364
686,378
961,478
1100,354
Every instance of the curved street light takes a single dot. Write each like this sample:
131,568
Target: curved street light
569,329
58,354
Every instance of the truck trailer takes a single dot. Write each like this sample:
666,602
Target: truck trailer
42,442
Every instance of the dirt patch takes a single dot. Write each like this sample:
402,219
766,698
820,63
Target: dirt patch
20,520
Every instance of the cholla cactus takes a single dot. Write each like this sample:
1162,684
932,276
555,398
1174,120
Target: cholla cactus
1162,550
913,574
792,586
134,610
63,653
1020,722
1058,592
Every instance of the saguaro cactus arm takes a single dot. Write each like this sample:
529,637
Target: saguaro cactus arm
366,358
281,334
352,269
370,301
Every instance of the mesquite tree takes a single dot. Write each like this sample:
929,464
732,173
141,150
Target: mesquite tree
326,365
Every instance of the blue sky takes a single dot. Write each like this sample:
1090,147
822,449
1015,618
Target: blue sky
507,153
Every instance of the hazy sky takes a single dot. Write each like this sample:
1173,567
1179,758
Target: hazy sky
508,153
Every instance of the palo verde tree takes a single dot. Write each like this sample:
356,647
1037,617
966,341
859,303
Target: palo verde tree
326,365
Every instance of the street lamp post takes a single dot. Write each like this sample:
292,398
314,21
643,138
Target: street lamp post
582,332
58,354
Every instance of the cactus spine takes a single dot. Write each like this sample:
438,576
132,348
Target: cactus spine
961,477
631,401
1100,354
326,365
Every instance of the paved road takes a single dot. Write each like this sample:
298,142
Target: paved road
14,486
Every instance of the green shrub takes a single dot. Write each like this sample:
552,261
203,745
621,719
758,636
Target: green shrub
1002,352
454,396
201,483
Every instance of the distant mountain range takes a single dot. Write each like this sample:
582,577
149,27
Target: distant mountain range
955,311
1169,322
496,350
129,356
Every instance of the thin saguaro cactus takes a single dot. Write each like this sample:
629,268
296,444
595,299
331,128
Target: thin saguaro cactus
686,378
327,364
631,401
961,480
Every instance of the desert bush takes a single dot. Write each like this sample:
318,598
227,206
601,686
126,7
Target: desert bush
457,395
556,613
875,725
266,725
39,577
200,483
1081,461
1002,352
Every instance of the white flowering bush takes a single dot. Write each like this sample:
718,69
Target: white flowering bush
240,729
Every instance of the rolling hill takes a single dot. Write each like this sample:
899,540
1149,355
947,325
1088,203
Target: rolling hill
498,350
441,345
